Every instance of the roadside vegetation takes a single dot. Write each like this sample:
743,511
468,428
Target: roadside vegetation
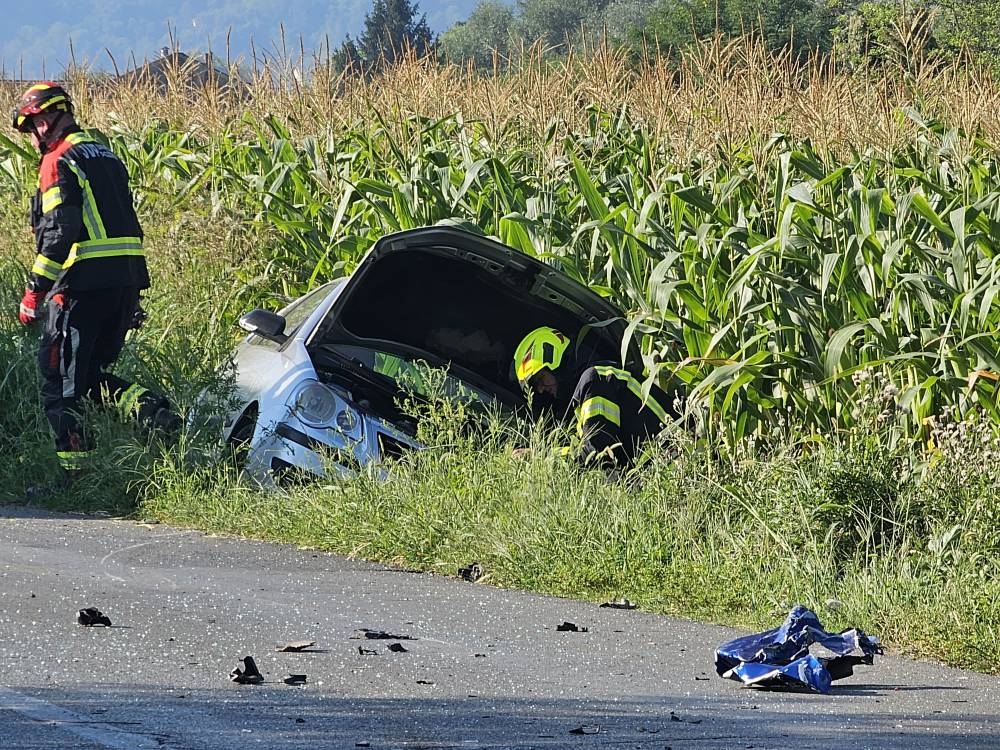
810,251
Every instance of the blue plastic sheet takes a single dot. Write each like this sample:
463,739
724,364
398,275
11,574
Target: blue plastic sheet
780,657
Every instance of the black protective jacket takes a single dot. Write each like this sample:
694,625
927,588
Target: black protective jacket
87,234
612,416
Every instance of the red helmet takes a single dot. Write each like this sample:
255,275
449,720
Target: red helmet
40,98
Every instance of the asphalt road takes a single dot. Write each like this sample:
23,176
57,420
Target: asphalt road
487,668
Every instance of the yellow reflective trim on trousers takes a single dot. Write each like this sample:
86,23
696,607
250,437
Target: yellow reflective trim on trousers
600,407
91,216
73,459
47,268
129,400
109,248
633,385
50,199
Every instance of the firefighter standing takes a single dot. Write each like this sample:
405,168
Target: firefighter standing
87,275
612,416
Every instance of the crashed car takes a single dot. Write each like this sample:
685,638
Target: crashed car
320,384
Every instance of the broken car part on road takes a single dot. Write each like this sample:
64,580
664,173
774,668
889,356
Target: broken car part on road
249,675
92,616
781,658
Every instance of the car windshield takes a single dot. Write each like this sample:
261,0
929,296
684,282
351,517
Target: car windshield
415,375
297,312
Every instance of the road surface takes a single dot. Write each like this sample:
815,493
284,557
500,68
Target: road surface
486,669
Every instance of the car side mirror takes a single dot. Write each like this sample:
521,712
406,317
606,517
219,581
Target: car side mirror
264,323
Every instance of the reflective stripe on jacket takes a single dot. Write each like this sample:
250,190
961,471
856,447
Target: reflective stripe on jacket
87,234
612,416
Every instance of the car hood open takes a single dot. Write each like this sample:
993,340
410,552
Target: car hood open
459,299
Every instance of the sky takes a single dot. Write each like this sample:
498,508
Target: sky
34,43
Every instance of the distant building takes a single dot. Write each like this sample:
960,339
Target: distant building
173,67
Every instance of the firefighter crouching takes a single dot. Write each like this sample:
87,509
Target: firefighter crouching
612,417
87,276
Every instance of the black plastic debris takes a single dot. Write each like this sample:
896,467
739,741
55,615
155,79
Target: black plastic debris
296,646
676,717
587,729
780,658
620,604
92,616
398,648
380,635
295,679
249,675
472,573
367,651
425,682
570,627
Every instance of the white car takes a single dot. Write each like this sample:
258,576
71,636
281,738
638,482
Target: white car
320,383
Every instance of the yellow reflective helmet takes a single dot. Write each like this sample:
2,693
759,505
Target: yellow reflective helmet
542,348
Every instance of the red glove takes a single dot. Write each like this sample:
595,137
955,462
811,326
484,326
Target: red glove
29,307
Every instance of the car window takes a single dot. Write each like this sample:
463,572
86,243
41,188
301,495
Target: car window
414,374
298,312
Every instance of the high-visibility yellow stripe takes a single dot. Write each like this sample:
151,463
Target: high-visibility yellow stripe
50,199
71,460
600,407
80,137
128,402
107,248
91,216
47,268
633,385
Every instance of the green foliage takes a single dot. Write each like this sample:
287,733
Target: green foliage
880,33
392,29
970,26
488,33
557,22
802,25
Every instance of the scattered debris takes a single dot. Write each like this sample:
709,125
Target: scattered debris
362,744
295,646
676,717
780,657
424,682
380,635
92,616
249,675
472,573
398,648
620,604
570,627
587,729
367,651
480,656
300,720
295,679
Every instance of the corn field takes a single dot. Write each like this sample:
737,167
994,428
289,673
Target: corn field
770,230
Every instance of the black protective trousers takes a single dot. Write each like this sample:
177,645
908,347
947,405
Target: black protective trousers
84,333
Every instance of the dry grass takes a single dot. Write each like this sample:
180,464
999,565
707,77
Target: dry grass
720,93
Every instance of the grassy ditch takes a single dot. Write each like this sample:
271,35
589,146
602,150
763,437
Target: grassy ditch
908,549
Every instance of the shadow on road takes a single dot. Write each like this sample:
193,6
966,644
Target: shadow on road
273,715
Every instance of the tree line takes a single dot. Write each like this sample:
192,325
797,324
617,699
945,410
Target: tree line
858,32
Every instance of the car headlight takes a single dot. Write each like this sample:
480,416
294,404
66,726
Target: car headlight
314,404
